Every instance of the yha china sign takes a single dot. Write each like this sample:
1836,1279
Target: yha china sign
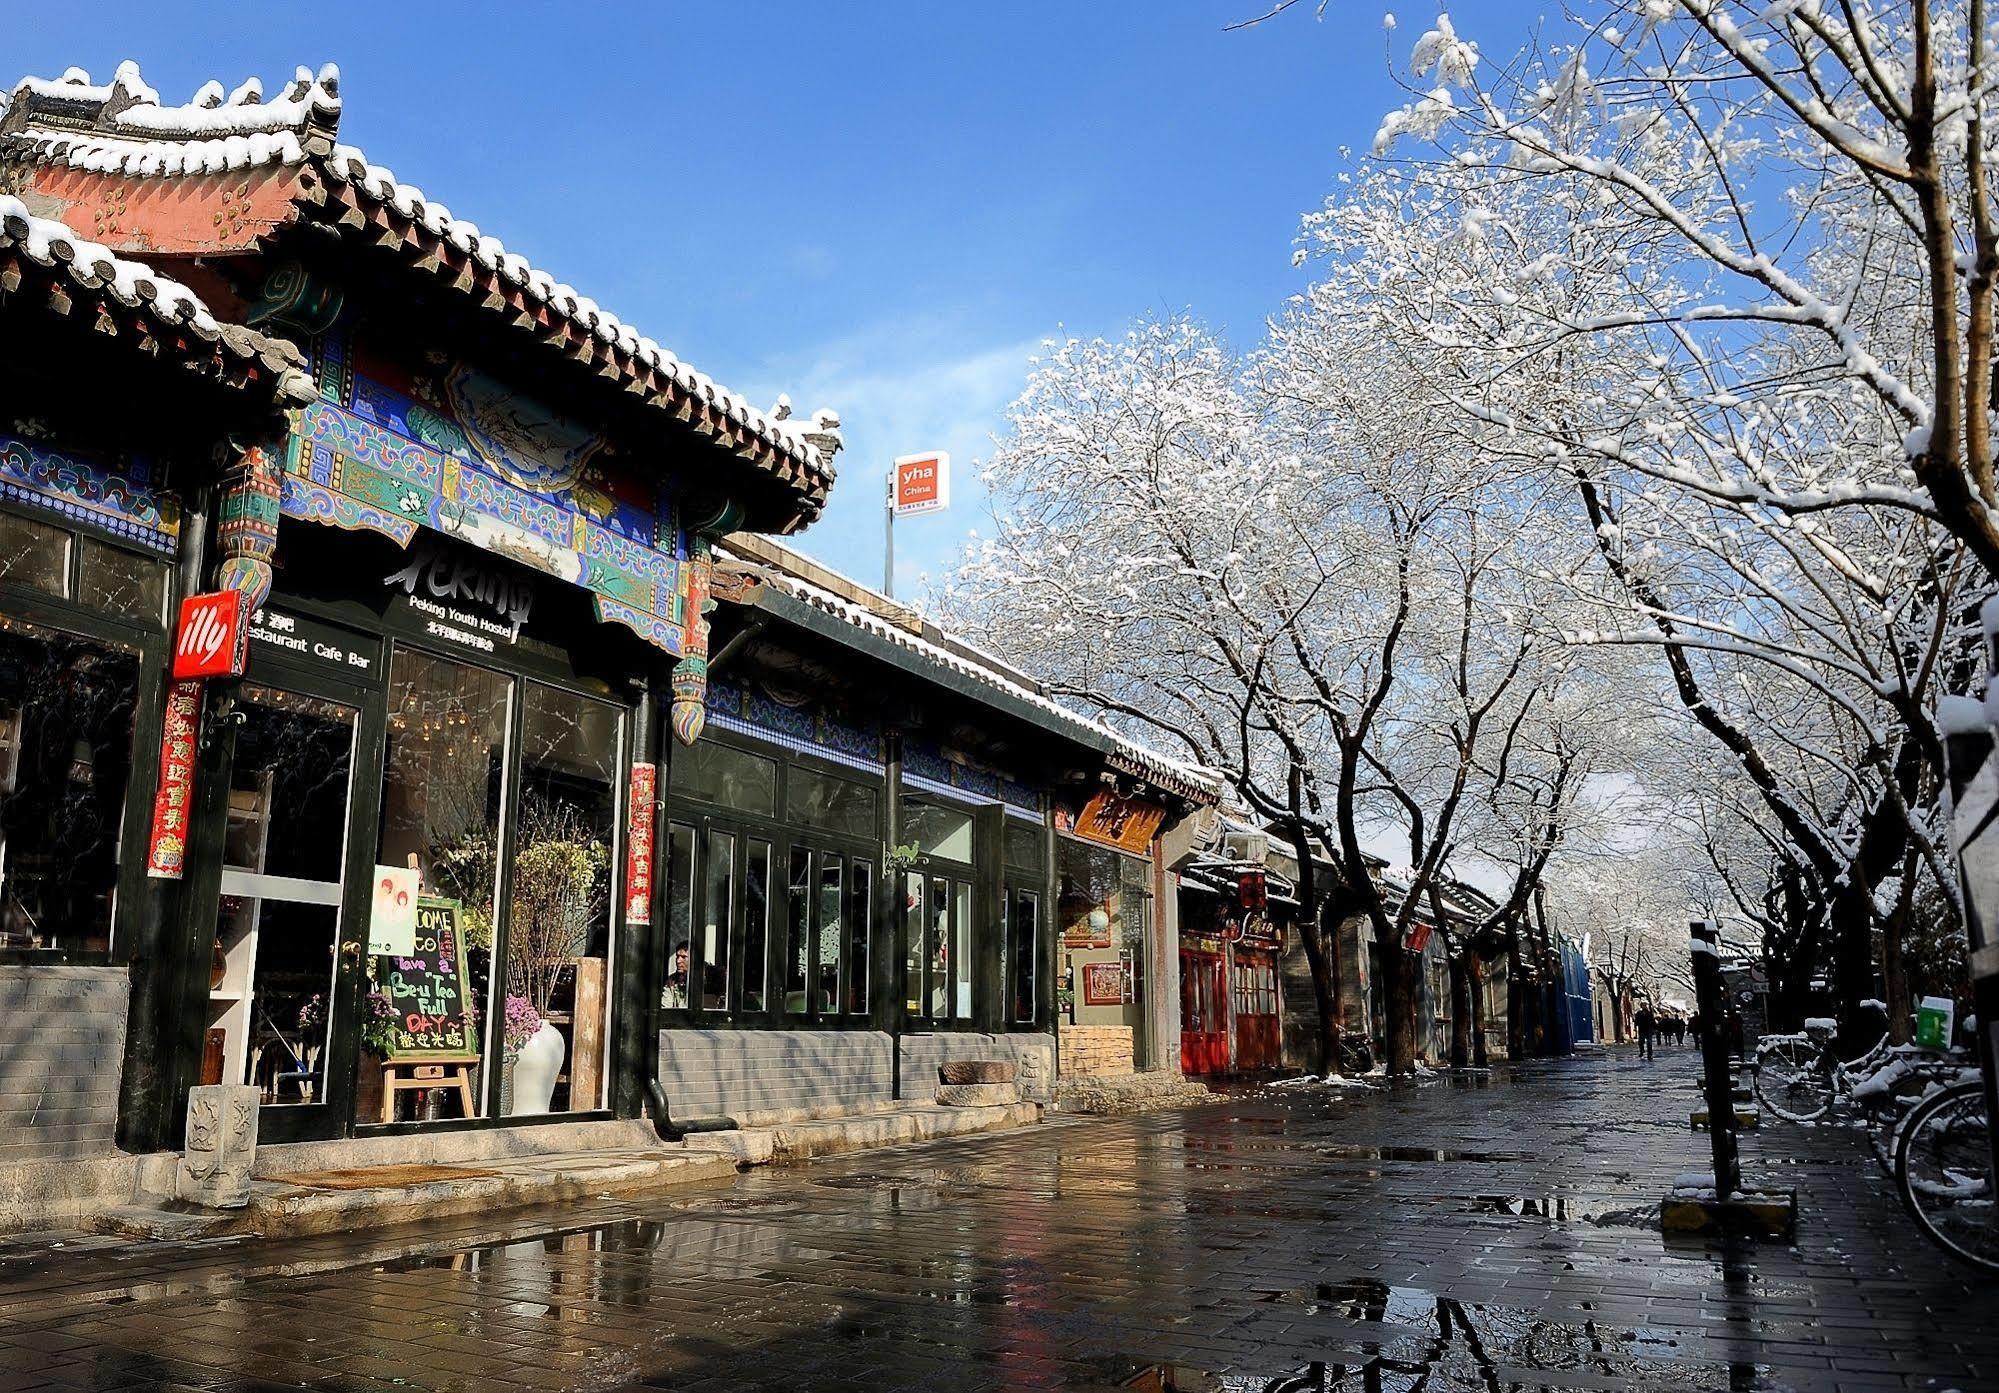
212,640
921,484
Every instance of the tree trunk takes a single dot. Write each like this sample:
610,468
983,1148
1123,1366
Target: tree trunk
1853,967
1399,1008
1475,970
1516,996
1461,1014
1321,953
1895,991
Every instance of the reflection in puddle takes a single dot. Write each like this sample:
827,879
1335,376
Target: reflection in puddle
1346,1152
1429,1341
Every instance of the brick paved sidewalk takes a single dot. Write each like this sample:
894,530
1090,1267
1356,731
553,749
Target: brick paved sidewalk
1480,1233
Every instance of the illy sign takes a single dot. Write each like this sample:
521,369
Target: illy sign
212,641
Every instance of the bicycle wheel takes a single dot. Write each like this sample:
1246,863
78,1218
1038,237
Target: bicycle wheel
1792,1083
1943,1165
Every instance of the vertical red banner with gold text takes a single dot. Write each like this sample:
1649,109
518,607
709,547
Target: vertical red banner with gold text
638,844
166,849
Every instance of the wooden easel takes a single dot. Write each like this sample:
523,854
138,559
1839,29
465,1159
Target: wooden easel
428,1071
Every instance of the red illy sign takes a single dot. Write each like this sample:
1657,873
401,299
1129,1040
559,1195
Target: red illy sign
213,639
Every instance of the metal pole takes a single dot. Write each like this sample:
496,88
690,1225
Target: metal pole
888,539
1717,1077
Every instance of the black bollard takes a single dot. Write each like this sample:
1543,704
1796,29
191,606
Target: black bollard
1717,1076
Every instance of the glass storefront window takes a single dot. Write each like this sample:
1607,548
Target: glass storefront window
272,980
718,880
66,712
1024,929
756,925
937,829
860,922
798,934
728,777
1103,899
913,911
559,926
940,947
34,554
961,950
679,914
830,803
1025,845
832,877
121,582
443,796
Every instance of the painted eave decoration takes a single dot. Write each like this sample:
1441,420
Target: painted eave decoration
239,167
46,261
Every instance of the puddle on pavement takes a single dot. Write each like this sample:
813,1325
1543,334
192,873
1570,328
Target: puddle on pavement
868,1181
1440,1342
1557,1207
1346,1152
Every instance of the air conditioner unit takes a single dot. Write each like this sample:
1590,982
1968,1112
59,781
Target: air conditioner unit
1246,848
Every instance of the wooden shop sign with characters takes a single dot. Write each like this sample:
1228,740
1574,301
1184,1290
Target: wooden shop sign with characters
1119,821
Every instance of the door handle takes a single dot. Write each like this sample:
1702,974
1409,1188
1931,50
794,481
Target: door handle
350,952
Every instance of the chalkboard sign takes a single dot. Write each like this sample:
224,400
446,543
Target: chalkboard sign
428,990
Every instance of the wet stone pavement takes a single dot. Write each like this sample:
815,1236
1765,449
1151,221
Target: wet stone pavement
1481,1232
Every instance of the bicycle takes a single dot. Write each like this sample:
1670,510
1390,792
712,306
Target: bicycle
1943,1167
1800,1079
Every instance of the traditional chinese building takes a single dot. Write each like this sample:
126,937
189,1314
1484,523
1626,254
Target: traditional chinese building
510,773
898,851
473,566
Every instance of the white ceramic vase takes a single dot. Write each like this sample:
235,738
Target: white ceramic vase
535,1068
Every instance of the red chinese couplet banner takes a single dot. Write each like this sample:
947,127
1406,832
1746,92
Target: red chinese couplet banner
166,850
638,845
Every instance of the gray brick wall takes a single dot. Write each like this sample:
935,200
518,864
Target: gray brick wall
1033,1053
62,1049
710,1073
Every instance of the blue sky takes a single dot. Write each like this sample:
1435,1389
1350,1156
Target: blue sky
883,207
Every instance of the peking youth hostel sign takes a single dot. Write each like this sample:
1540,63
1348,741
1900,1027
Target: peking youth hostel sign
462,597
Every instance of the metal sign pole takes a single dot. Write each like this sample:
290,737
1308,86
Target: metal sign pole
1711,1000
888,539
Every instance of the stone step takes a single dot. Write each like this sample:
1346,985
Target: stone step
285,1207
976,1071
977,1095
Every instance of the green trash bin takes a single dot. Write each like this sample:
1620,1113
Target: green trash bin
1935,1017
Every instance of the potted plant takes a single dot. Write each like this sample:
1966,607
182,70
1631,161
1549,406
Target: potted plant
520,1025
378,1019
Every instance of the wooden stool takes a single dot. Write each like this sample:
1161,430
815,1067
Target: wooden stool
428,1071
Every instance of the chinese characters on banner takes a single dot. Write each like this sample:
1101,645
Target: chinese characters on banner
166,850
638,845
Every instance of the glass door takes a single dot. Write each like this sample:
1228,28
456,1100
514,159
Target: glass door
273,974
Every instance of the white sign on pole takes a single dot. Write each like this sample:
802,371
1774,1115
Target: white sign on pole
921,484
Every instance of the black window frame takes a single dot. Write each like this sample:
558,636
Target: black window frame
785,838
148,644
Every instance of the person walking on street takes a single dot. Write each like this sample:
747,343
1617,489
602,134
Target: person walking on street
1646,1020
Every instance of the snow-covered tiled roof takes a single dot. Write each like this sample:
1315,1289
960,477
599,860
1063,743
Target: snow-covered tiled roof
1187,780
133,286
122,128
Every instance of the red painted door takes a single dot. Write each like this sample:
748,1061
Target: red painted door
1204,1039
1256,1032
